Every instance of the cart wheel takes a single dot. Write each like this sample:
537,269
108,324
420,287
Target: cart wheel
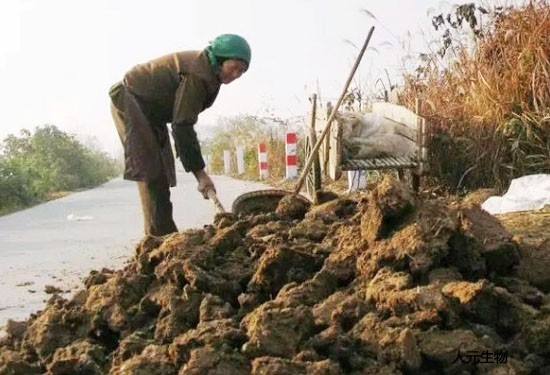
313,178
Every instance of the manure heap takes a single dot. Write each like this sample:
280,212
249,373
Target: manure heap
382,282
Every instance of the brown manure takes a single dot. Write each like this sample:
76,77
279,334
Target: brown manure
383,282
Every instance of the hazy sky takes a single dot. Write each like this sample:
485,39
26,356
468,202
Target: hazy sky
58,58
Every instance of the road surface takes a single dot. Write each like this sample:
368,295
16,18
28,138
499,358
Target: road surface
60,242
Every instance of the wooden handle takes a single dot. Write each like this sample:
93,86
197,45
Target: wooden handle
214,198
315,149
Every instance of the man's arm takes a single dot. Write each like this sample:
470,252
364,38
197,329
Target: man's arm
188,147
189,151
189,102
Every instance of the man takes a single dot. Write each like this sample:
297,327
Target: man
171,89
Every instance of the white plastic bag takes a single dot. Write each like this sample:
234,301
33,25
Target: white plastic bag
525,193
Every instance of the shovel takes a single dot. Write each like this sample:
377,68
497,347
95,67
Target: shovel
264,201
221,213
217,204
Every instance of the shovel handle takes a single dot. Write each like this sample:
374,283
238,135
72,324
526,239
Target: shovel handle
331,117
214,198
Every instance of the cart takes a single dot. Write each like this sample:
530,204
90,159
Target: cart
334,157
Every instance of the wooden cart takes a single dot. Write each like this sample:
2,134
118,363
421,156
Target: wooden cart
333,158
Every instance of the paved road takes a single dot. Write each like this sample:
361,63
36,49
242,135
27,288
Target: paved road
60,242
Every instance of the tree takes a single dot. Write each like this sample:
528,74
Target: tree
33,166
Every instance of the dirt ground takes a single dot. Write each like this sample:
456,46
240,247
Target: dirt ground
378,282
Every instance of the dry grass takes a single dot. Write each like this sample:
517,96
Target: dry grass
490,108
531,227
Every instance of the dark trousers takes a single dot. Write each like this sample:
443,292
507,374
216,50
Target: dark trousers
154,187
157,207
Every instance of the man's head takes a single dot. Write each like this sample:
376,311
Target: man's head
231,69
230,56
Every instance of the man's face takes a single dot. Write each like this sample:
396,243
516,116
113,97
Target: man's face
230,70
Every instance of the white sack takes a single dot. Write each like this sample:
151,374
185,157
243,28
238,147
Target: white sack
525,193
370,135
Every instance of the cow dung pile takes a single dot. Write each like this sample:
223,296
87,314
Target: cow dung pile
380,283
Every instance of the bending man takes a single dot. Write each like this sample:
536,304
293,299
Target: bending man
171,89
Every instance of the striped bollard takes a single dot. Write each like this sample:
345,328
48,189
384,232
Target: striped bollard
227,162
240,159
262,161
290,148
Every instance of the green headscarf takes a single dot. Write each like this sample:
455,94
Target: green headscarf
228,46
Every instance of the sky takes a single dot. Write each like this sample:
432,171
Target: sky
58,58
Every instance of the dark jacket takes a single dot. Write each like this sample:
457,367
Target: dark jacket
171,89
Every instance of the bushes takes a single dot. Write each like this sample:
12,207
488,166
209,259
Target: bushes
33,166
489,104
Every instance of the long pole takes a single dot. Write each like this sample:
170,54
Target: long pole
315,149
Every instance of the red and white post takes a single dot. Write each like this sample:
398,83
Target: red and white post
262,161
290,148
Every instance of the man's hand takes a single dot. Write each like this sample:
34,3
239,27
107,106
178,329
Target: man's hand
205,183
